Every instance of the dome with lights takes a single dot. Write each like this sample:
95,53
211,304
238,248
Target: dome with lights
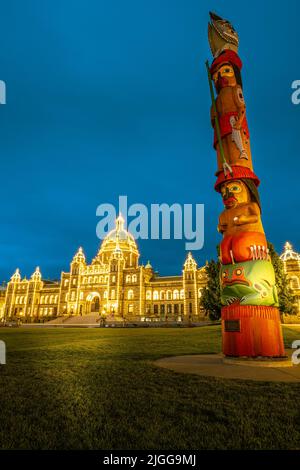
121,241
289,253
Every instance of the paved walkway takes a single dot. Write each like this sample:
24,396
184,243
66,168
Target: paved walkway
215,365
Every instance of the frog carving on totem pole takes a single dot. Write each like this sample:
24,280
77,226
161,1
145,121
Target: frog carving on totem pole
247,279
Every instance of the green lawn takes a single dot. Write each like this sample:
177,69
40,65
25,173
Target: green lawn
98,389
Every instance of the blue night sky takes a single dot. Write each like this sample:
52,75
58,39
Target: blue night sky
109,98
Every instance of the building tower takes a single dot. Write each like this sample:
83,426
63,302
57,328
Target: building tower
250,315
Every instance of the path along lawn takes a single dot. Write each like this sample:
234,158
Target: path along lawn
98,389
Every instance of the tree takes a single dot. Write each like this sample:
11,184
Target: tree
285,297
211,296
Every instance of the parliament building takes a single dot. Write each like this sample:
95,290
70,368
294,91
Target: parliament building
117,288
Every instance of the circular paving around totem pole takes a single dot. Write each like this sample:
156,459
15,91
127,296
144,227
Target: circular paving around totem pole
216,365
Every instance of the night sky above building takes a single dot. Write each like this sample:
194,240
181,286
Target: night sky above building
111,98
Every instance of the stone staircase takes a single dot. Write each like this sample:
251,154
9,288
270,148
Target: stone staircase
89,319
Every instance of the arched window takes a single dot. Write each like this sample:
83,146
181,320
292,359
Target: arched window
162,295
148,295
113,294
56,299
101,278
155,295
90,280
130,294
182,294
95,280
128,278
51,299
134,278
66,282
46,299
105,294
169,295
175,294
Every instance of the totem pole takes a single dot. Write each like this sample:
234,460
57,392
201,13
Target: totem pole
250,316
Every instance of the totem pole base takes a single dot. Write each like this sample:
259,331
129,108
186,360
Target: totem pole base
252,331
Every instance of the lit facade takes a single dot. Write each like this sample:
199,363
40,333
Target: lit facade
114,286
291,261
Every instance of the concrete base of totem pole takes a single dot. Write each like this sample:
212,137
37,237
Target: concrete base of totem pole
219,366
251,331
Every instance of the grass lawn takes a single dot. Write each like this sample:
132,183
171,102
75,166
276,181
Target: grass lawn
98,389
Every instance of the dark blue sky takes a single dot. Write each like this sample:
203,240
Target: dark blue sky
106,98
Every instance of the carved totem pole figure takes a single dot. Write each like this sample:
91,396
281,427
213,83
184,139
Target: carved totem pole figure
250,316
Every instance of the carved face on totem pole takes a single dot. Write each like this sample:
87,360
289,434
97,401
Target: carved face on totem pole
224,76
235,192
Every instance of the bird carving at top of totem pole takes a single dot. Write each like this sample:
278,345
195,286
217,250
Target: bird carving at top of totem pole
221,35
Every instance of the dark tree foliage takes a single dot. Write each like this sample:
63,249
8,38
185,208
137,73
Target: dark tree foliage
211,296
285,296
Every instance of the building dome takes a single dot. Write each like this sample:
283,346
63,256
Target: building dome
119,240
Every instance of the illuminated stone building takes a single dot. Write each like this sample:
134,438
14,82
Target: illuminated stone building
114,285
291,261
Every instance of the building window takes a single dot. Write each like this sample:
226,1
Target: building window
113,279
66,282
176,309
73,295
90,280
169,308
130,295
148,295
169,295
130,308
42,299
51,299
95,280
190,294
162,295
46,299
74,282
134,278
175,294
148,308
113,294
155,309
182,294
81,295
294,282
155,295
162,309
128,278
105,294
190,308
